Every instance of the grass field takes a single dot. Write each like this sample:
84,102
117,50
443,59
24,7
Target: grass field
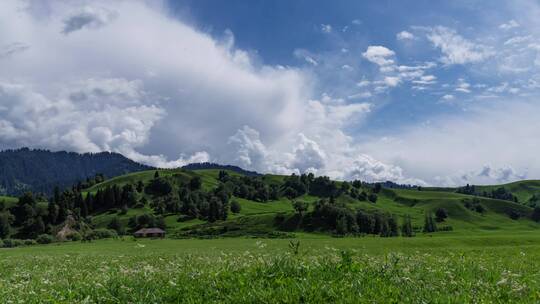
446,268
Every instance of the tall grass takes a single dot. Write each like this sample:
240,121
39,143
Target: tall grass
292,276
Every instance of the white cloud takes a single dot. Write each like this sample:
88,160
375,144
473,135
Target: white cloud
379,55
347,67
426,80
391,81
463,86
455,48
447,98
404,35
326,28
518,40
509,25
175,95
452,146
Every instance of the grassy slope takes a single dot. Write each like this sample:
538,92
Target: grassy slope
522,189
395,201
10,201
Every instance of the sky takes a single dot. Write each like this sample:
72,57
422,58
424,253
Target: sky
417,92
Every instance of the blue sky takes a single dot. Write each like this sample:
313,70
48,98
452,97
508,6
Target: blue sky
424,92
283,32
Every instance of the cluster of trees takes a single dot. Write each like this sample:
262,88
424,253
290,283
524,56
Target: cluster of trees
256,189
474,204
330,215
498,193
534,200
249,187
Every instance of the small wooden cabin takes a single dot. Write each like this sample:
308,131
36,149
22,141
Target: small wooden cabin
150,232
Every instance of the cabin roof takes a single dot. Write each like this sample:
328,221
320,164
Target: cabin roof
149,230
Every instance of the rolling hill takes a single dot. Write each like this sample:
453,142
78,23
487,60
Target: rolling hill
465,212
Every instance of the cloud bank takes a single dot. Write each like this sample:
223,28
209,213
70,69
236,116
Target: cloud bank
124,76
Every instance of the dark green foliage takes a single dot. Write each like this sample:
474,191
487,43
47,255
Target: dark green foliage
535,216
441,214
513,214
40,170
158,186
406,227
5,225
116,225
498,193
429,223
102,234
474,205
300,207
146,221
372,197
44,239
195,183
393,225
235,207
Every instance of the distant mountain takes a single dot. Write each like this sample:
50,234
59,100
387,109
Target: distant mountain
201,166
41,170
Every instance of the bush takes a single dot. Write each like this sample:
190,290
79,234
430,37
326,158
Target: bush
235,207
103,234
75,236
12,243
29,242
44,239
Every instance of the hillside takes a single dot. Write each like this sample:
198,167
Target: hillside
216,203
275,216
40,170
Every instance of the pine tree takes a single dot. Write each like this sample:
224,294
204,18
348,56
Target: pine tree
116,225
393,225
5,226
84,208
52,210
429,223
406,228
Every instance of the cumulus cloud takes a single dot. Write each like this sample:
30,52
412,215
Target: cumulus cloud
453,146
509,25
455,48
326,28
379,55
404,35
176,95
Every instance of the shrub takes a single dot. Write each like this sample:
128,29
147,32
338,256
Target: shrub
44,239
103,234
29,242
74,236
235,207
12,243
441,215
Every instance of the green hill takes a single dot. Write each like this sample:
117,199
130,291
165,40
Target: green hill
217,202
523,190
260,218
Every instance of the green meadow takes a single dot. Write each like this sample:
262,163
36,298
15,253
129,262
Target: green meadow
443,268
